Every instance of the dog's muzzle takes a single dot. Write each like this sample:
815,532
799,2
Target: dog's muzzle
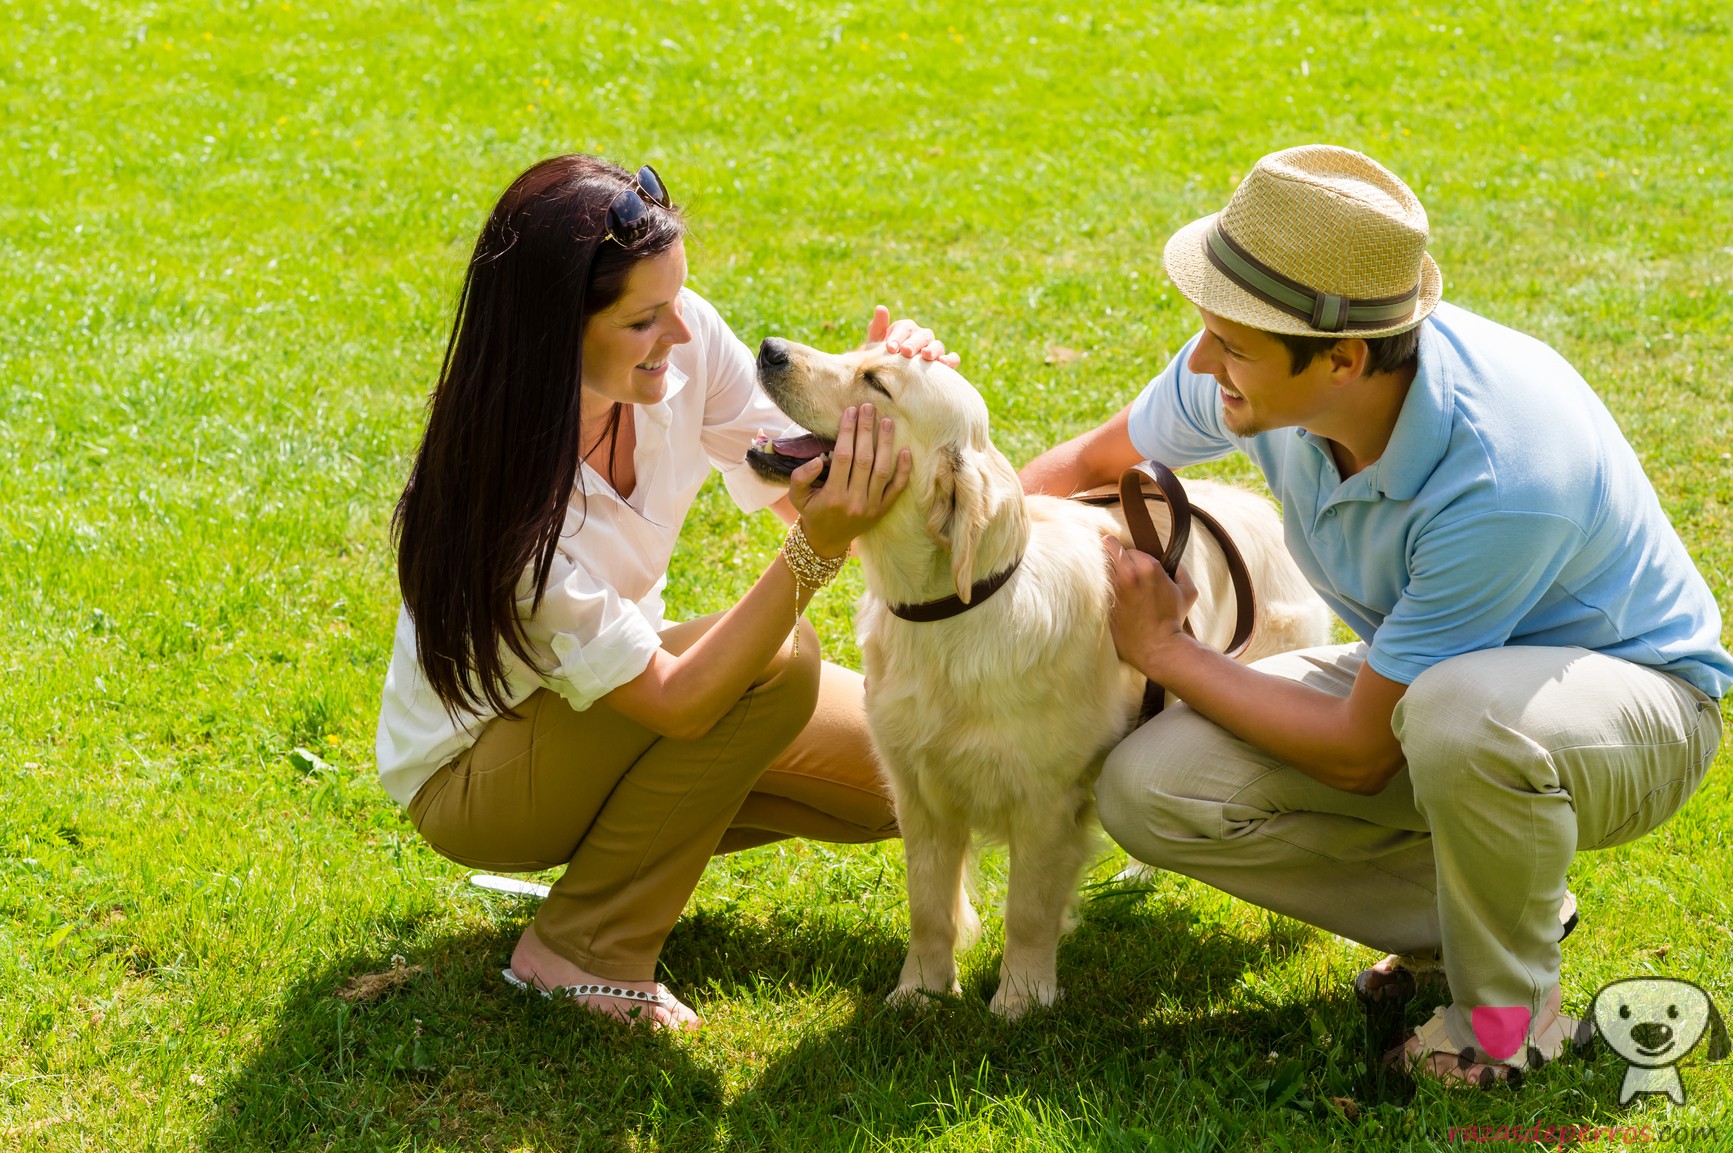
772,459
777,459
772,355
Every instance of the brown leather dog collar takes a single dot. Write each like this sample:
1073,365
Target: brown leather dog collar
952,606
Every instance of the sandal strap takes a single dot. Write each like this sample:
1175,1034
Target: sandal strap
660,997
1432,1039
1560,1035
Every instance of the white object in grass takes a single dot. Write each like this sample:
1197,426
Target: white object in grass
507,885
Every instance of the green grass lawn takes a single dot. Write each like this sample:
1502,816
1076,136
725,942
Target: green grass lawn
231,238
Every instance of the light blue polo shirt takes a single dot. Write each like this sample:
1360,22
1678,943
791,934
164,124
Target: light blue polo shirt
1508,509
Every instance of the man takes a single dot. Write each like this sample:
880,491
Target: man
1540,660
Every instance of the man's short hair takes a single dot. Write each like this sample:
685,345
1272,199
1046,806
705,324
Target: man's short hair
1383,353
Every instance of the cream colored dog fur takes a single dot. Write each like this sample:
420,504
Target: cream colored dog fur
997,721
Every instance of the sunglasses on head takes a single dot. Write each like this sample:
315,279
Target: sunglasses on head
629,212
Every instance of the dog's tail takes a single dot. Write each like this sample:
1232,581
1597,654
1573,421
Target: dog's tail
968,921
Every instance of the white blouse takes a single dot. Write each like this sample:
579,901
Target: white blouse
598,621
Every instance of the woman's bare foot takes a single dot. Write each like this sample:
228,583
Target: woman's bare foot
539,967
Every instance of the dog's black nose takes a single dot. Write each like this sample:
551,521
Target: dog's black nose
1652,1035
773,353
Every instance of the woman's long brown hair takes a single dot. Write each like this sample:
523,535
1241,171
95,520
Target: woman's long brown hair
488,493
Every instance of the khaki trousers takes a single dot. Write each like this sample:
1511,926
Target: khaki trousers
1517,758
633,815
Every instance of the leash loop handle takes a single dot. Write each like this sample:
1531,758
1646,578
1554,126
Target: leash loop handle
1132,496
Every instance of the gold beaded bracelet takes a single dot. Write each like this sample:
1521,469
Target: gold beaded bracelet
810,570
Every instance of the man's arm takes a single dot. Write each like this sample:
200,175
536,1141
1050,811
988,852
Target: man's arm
1095,458
1346,743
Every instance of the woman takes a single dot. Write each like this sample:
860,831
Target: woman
539,711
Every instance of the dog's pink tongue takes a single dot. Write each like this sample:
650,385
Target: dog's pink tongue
1500,1029
801,447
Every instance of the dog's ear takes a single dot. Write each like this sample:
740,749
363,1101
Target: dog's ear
1719,1046
957,515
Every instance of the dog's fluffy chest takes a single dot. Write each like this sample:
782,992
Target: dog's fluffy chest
1009,704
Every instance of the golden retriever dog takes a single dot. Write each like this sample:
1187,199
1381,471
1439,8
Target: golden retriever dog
996,721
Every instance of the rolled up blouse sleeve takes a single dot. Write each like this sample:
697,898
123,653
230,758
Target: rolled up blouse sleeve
735,408
587,638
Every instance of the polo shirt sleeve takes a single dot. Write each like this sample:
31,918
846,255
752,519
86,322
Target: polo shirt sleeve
1177,418
1471,581
735,408
587,638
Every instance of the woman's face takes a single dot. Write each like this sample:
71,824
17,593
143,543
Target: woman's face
626,346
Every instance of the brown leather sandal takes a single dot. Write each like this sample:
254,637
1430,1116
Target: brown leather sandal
1384,991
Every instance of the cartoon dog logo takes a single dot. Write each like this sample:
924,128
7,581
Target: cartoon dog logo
1652,1022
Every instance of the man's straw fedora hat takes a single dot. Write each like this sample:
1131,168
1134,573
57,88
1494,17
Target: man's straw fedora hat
1316,241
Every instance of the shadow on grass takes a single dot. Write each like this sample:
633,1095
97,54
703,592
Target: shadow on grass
451,1056
447,1053
1140,1054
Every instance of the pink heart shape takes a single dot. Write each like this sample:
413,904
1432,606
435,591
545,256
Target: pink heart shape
1500,1029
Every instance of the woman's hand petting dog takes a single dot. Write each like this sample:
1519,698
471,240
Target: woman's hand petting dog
907,338
1149,608
867,474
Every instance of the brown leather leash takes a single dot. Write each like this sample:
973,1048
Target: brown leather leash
1131,494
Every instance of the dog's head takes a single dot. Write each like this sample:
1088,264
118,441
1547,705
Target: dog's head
1653,1022
959,481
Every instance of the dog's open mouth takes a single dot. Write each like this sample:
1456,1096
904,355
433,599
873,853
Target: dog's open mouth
779,458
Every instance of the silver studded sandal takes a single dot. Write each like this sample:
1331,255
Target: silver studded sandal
661,998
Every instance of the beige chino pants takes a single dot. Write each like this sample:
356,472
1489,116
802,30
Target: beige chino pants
633,815
1517,758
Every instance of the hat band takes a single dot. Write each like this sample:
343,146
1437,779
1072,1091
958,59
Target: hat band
1324,311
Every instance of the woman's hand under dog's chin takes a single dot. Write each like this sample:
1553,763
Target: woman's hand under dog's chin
867,474
1149,609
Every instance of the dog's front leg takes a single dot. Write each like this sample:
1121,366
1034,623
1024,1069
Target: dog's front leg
1048,855
936,848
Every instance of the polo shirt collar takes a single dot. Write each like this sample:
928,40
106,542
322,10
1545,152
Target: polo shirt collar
1422,433
1419,440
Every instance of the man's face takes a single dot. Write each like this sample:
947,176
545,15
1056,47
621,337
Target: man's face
1258,389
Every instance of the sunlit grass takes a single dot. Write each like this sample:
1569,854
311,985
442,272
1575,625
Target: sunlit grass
231,237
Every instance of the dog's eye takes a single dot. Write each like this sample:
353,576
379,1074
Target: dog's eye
1673,1011
871,380
1624,1011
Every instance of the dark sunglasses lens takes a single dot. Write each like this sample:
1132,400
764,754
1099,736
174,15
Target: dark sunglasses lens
628,215
652,185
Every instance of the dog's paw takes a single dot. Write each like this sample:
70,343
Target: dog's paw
910,997
1017,998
